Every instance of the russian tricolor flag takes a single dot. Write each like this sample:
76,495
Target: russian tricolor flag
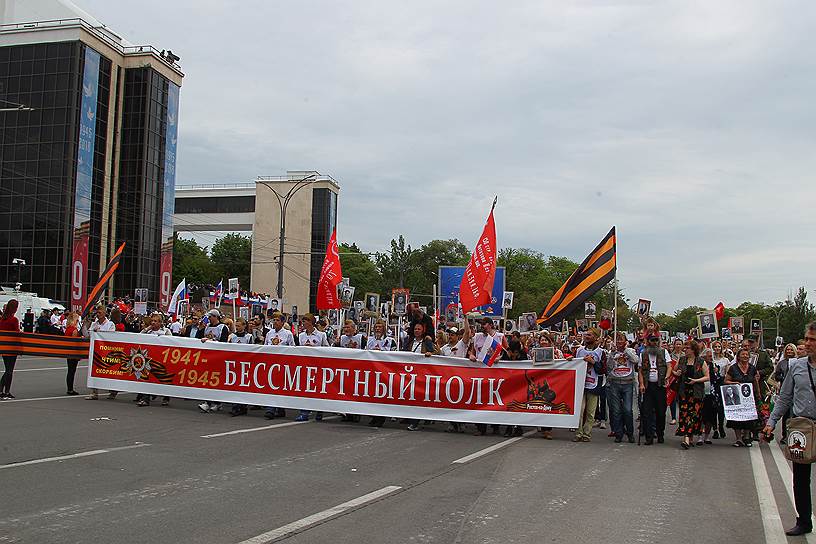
179,294
491,351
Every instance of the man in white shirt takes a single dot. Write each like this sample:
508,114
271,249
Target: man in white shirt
101,324
175,326
458,341
155,328
488,332
277,336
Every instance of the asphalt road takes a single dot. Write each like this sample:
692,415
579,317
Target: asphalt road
73,470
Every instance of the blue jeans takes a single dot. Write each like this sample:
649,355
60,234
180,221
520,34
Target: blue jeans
620,406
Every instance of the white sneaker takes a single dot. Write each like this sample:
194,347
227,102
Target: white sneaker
204,407
215,407
603,425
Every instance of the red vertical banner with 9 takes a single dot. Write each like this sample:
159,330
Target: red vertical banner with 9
79,267
166,274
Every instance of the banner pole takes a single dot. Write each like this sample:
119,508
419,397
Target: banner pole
615,293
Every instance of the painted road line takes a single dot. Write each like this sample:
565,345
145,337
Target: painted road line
787,478
63,368
8,401
491,449
771,522
308,521
72,456
265,428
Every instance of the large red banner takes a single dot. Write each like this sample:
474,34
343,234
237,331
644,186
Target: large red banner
477,281
391,384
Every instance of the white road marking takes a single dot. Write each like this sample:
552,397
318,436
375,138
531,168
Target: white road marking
491,449
72,456
771,522
63,368
265,428
6,401
308,521
787,476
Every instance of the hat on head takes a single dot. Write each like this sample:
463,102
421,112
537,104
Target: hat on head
752,338
214,313
453,330
653,337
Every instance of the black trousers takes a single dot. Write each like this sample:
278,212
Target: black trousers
69,379
654,410
5,382
801,494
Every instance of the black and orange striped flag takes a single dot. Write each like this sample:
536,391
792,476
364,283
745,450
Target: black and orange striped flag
596,271
103,280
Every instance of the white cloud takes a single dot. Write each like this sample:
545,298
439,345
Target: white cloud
688,125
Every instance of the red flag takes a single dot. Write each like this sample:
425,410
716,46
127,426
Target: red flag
330,276
719,310
477,281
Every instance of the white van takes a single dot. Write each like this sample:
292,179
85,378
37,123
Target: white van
27,300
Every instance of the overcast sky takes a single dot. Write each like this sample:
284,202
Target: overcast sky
689,126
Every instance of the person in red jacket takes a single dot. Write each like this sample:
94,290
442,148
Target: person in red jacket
8,322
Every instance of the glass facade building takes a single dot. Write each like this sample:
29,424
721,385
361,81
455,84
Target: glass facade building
82,163
324,221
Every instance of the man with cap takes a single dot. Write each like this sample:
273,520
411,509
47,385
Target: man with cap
458,341
652,377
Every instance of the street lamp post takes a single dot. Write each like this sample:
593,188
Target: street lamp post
283,204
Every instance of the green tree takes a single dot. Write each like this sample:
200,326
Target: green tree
794,316
232,258
394,266
192,262
360,270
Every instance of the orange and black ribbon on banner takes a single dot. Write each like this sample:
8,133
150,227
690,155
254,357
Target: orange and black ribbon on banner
43,345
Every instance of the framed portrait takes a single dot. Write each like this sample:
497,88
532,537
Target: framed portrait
497,323
779,341
399,300
274,305
352,314
232,286
565,326
294,311
543,355
243,311
664,336
507,300
347,296
737,325
140,295
345,282
607,314
333,316
509,326
372,302
359,305
707,324
205,303
589,310
725,333
384,310
581,325
644,306
756,326
593,324
257,309
527,322
451,313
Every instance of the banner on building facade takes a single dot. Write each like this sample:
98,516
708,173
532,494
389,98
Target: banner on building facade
390,384
84,179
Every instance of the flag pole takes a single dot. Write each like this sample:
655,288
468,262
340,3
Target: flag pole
615,292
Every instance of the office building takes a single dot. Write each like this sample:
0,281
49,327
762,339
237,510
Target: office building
88,136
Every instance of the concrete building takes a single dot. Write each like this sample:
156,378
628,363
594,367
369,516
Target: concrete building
88,136
311,215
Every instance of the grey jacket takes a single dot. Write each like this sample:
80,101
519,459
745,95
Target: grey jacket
796,392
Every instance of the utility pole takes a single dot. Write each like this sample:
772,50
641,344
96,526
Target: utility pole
283,204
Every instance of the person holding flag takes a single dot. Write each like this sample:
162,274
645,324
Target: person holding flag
219,293
488,343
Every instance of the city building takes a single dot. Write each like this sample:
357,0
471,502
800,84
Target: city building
311,215
88,136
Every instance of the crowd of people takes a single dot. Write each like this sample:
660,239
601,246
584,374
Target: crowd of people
683,377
